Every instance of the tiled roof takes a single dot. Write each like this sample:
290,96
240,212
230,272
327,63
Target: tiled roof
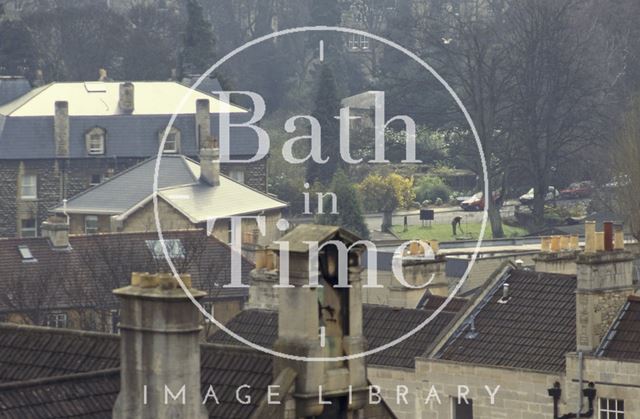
91,380
96,264
381,325
81,376
178,185
623,339
432,302
28,352
534,329
85,395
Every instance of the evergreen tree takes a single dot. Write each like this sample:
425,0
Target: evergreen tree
199,44
349,209
16,48
327,107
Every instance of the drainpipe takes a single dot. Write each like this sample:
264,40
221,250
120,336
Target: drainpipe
580,355
589,393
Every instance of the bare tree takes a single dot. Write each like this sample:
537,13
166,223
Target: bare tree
30,293
470,51
627,179
556,102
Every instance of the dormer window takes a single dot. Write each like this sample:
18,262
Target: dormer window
172,143
95,139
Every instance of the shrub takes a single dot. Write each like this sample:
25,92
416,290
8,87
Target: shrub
432,188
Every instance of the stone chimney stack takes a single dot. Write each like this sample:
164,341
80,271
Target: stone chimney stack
126,98
321,322
159,350
557,255
203,121
61,128
102,75
419,266
56,230
39,80
210,162
605,280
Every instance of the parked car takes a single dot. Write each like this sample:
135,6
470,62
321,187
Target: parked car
552,193
476,202
577,190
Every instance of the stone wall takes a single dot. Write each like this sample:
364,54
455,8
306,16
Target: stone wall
613,380
255,174
64,178
57,179
388,379
522,394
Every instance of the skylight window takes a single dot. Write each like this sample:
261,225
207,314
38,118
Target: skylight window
174,248
26,254
95,87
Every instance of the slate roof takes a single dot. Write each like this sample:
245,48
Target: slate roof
132,186
26,124
90,379
381,324
96,264
623,338
533,330
178,185
12,88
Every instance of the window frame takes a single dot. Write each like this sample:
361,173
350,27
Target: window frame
97,226
175,133
91,179
233,175
89,137
23,185
29,229
607,412
175,249
357,42
59,320
454,407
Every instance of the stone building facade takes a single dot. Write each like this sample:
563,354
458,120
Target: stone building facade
60,139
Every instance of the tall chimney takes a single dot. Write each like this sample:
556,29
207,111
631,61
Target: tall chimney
61,128
56,230
558,255
203,121
126,101
102,74
159,350
605,279
618,237
590,236
210,162
608,236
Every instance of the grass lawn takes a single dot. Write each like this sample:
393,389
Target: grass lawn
442,232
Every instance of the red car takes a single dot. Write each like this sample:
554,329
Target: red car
577,190
476,202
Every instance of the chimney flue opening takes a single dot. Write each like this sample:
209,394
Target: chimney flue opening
505,294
